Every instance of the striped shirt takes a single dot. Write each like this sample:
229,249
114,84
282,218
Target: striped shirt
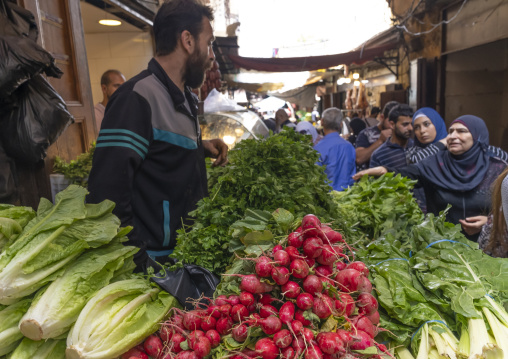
416,154
390,154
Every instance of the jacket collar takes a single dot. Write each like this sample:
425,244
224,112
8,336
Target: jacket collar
176,95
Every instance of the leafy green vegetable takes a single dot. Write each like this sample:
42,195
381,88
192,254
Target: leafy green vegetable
263,175
44,349
118,317
10,334
78,170
12,221
55,309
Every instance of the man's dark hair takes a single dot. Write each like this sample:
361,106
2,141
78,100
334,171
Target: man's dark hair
105,80
400,110
388,107
173,18
375,111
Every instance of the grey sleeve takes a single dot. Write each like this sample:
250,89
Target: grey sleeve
499,153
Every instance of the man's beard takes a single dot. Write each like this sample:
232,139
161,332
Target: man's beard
195,70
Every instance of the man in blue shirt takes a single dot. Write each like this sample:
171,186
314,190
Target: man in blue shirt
337,154
392,153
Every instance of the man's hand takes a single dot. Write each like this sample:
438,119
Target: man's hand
385,134
375,171
473,225
217,149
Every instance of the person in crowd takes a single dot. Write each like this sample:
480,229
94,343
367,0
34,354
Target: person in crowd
461,176
150,158
372,119
372,137
110,82
357,126
282,120
392,152
306,128
430,137
270,123
493,238
337,154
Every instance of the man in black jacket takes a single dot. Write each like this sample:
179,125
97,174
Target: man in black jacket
149,157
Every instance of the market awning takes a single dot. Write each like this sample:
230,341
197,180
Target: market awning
310,63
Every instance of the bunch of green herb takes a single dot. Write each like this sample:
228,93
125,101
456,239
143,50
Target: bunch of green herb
277,172
78,170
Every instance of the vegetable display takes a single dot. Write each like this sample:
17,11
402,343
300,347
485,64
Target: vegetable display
12,221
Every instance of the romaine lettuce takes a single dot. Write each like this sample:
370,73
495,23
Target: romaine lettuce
10,335
43,349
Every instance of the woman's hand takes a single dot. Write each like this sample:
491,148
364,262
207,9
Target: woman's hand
217,149
473,225
375,171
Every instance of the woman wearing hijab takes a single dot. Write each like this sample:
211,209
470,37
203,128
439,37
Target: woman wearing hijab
430,137
306,128
461,176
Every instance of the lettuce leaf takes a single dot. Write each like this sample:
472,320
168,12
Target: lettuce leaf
10,334
44,349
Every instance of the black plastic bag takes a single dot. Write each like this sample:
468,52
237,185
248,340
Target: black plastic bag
38,118
21,58
189,283
8,183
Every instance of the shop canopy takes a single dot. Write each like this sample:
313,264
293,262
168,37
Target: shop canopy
310,63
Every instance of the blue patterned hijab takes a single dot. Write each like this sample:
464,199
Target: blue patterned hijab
436,120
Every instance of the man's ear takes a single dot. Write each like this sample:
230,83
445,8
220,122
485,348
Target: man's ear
103,88
188,41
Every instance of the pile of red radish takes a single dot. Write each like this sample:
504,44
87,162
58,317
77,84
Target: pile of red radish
282,307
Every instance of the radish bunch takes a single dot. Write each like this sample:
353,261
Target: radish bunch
281,309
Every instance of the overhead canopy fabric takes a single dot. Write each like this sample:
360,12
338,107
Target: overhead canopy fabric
310,63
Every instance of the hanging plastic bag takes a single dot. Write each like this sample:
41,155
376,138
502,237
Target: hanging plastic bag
187,284
8,185
39,117
215,102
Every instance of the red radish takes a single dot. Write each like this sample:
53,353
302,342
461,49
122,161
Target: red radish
312,247
187,354
340,266
278,247
360,267
365,285
329,255
247,298
221,300
330,343
214,337
224,325
256,319
307,334
362,341
305,301
252,308
299,230
299,316
174,343
225,310
291,290
345,337
280,275
282,339
165,333
348,280
327,282
313,352
288,353
265,299
329,236
251,283
233,300
295,239
136,353
153,345
263,266
207,323
312,284
177,320
374,318
299,268
250,353
323,271
271,325
298,343
311,226
362,323
310,261
239,312
366,303
293,252
267,349
213,311
323,306
267,310
296,327
345,304
240,332
201,346
287,312
282,258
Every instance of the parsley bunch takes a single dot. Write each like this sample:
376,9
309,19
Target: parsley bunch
77,170
276,172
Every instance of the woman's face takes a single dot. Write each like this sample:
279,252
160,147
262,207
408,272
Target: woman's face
459,139
424,129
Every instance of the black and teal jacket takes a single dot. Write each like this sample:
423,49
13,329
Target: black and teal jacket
149,160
